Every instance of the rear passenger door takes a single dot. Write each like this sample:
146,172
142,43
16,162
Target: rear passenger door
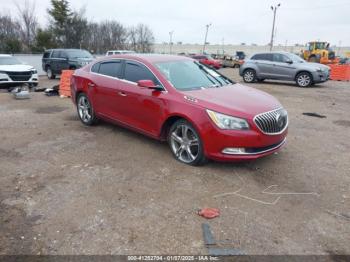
264,64
62,62
104,89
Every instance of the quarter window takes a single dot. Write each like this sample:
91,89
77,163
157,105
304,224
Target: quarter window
111,68
135,72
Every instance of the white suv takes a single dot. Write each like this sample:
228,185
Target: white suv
119,52
13,72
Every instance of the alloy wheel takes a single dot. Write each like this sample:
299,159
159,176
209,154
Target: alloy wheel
304,80
185,143
84,109
249,76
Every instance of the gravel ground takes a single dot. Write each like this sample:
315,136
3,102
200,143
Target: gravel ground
70,189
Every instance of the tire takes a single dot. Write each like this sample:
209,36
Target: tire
304,79
185,143
85,111
50,74
249,76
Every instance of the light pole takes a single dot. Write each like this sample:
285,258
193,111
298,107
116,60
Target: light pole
171,41
274,9
206,35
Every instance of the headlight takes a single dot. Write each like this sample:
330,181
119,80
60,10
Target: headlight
319,69
34,71
228,122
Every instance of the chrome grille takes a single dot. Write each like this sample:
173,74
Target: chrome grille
272,122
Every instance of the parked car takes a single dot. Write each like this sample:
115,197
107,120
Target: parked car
208,60
119,52
13,72
201,113
56,60
283,66
234,61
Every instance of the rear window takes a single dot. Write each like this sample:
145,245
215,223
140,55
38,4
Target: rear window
266,57
110,68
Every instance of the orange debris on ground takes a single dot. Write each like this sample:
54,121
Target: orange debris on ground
64,89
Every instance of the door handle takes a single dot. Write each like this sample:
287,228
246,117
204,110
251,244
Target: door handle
122,93
91,85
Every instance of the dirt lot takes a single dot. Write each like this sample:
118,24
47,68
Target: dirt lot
70,189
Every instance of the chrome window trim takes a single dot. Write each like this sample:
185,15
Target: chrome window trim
124,80
260,152
271,134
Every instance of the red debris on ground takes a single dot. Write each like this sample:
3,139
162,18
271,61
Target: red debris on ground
209,212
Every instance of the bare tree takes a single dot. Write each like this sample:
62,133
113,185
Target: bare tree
28,21
141,38
9,34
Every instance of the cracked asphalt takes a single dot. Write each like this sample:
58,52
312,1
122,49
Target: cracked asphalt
70,189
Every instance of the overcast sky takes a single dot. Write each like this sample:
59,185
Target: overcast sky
235,21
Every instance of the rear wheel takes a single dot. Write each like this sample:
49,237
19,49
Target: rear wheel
304,79
85,110
249,76
50,74
186,144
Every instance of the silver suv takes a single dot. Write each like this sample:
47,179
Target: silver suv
283,66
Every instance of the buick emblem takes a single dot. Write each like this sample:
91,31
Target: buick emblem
280,120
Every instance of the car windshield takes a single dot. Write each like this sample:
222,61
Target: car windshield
296,59
191,75
9,60
78,54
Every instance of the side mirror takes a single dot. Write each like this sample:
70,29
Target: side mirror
148,84
289,61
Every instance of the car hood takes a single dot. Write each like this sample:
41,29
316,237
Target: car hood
81,59
16,68
315,65
236,100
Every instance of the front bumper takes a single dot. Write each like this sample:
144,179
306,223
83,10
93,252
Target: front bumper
254,142
5,79
319,77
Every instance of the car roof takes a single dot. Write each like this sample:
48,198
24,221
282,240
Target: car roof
150,58
120,51
65,49
272,52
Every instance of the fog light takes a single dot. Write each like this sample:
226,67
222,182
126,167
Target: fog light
234,151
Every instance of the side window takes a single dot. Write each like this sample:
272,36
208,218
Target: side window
95,68
110,53
111,68
55,54
46,55
63,54
265,57
135,72
280,58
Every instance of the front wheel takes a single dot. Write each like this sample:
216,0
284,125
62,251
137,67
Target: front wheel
249,76
186,144
85,110
303,79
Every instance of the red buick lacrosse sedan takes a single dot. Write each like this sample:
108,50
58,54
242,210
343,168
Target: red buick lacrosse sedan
198,111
